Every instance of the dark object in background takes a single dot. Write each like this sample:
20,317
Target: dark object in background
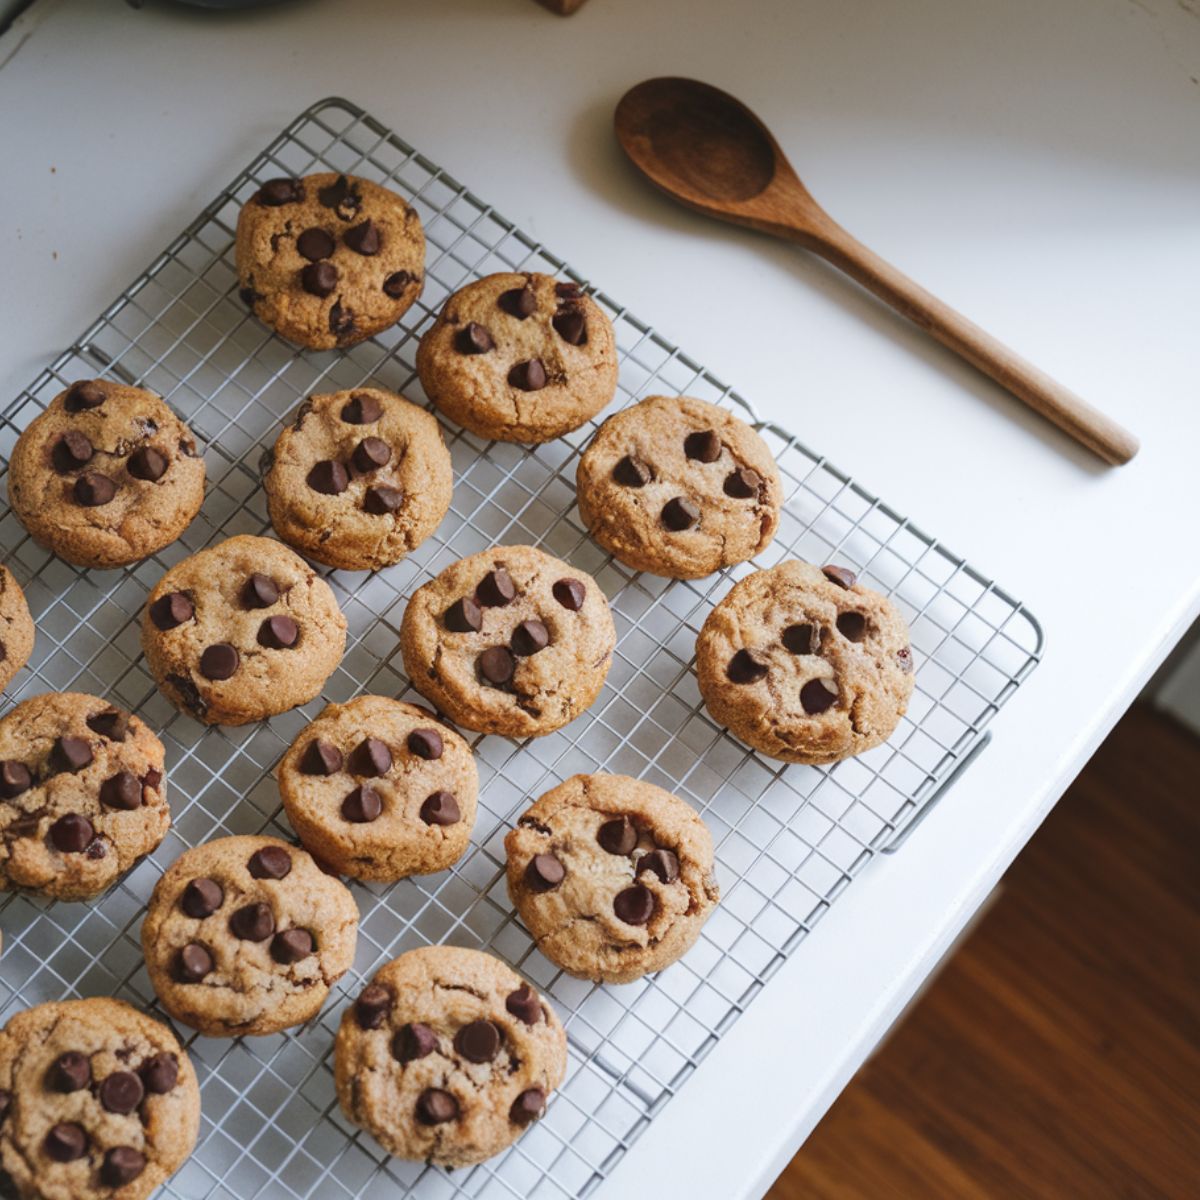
564,8
228,3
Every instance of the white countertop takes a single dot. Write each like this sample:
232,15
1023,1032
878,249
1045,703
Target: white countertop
1034,162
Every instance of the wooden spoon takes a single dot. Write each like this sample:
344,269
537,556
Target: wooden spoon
711,152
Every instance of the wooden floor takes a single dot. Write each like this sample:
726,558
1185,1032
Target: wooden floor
1058,1054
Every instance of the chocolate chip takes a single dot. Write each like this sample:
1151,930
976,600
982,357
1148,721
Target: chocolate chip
219,661
148,463
292,946
270,862
319,279
171,610
664,864
93,489
425,743
396,284
112,723
372,1006
97,849
618,836
341,192
66,1142
193,963
519,302
72,451
473,339
463,616
371,758
121,1092
743,483
363,239
361,409
381,499
478,1042
704,445
800,639
816,696
122,1165
524,1004
70,1072
412,1042
436,1107
842,576
852,626
160,1073
634,905
278,633
152,778
72,833
746,667
544,873
529,637
260,591
14,779
528,376
321,758
528,1106
680,514
570,593
372,453
122,790
253,922
441,808
328,477
571,326
275,192
249,297
496,665
315,244
71,754
496,589
83,395
905,660
632,472
202,897
362,806
25,825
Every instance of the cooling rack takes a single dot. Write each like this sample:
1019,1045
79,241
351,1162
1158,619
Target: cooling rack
789,839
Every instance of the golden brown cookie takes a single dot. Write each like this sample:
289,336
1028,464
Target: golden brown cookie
16,628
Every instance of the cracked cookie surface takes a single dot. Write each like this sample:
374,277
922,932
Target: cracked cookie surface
519,358
246,935
329,260
447,1056
679,487
380,789
17,631
82,794
805,664
106,476
358,479
509,641
97,1100
241,631
612,876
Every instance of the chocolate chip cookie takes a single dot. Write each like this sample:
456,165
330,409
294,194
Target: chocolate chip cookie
448,1056
241,631
805,663
329,260
246,935
519,358
96,1100
612,876
380,789
16,628
679,487
106,476
82,795
358,479
509,641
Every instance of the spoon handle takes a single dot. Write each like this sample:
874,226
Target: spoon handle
1073,415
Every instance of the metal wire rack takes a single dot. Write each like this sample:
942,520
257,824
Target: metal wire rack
789,839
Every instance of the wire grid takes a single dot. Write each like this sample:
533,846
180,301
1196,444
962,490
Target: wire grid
789,839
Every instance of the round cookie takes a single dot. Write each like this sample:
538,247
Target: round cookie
612,876
329,260
805,664
380,789
447,1056
246,935
358,479
82,795
106,476
509,641
519,358
678,487
96,1100
241,631
16,628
